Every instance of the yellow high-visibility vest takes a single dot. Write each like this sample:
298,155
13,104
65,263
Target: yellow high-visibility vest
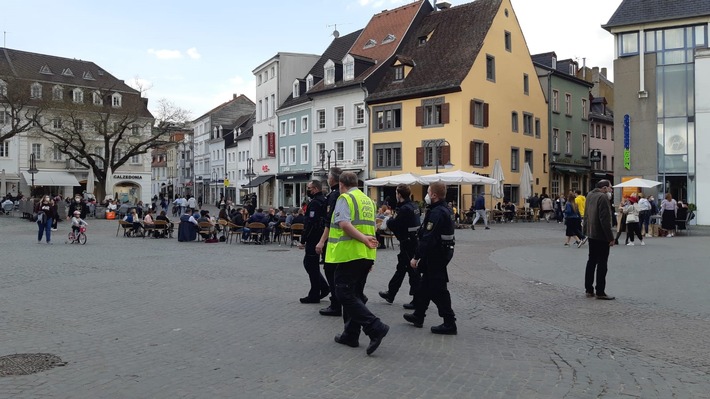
342,248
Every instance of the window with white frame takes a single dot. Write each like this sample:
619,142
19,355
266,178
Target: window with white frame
5,117
585,145
136,159
359,147
398,73
309,82
56,123
135,130
282,129
77,96
272,105
348,67
304,153
116,100
359,114
555,184
283,160
296,89
339,150
320,119
320,147
555,101
568,104
329,70
292,155
4,149
304,124
585,113
339,116
37,150
78,124
259,111
555,140
57,93
36,90
568,142
97,100
292,126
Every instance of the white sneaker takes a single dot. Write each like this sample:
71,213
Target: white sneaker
643,243
648,235
631,244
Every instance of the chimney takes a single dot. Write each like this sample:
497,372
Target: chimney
584,67
604,72
234,96
443,5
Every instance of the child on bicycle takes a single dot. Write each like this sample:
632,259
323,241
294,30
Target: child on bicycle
77,222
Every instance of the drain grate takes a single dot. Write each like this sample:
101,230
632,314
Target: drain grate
28,363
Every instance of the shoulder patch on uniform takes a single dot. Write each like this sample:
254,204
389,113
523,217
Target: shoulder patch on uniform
429,226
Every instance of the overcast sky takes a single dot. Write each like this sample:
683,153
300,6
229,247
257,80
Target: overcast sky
198,54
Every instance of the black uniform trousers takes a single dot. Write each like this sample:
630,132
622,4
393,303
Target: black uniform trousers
350,279
406,253
329,271
311,262
597,261
432,288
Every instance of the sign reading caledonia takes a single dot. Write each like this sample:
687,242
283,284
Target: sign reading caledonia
627,141
128,177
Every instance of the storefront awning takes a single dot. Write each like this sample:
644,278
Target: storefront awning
258,181
296,176
54,179
570,170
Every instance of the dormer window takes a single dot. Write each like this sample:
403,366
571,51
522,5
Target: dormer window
348,67
45,70
370,44
399,72
116,100
67,72
296,89
77,96
57,93
97,100
388,39
329,70
421,40
88,76
36,90
309,82
571,69
554,62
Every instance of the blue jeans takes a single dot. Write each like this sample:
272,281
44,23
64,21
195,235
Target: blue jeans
45,227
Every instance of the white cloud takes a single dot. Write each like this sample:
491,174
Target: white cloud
166,54
192,53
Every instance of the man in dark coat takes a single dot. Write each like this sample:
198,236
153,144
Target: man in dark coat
597,222
335,308
312,232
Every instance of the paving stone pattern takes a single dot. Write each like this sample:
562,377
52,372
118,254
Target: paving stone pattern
154,318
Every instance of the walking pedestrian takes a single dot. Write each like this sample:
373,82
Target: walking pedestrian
352,248
46,211
334,309
479,206
404,225
573,222
312,232
669,207
597,221
434,252
633,227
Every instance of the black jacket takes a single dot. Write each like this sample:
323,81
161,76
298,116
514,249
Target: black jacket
404,220
315,215
437,222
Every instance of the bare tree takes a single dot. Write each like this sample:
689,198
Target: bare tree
18,110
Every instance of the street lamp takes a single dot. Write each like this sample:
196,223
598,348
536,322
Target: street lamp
250,171
327,153
32,170
437,145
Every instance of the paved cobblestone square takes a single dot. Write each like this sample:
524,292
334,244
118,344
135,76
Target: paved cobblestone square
154,318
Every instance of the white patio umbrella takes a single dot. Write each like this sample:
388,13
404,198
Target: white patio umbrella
526,181
90,182
639,182
497,191
403,178
109,182
3,182
457,176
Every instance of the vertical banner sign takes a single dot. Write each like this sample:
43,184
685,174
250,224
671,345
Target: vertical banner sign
271,143
627,141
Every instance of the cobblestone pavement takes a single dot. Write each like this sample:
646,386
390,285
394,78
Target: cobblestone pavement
149,318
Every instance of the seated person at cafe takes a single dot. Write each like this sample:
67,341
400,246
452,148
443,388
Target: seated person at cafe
169,229
300,217
260,217
508,209
188,227
205,218
132,217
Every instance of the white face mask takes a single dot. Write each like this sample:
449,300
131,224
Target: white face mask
427,199
608,195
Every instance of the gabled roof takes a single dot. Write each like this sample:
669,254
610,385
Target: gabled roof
235,99
50,68
544,58
391,24
632,12
455,37
561,69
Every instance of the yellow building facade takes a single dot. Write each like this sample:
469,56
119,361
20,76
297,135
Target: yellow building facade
497,111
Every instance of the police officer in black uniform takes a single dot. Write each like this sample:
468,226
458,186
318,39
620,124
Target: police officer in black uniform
335,309
434,251
404,224
312,232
